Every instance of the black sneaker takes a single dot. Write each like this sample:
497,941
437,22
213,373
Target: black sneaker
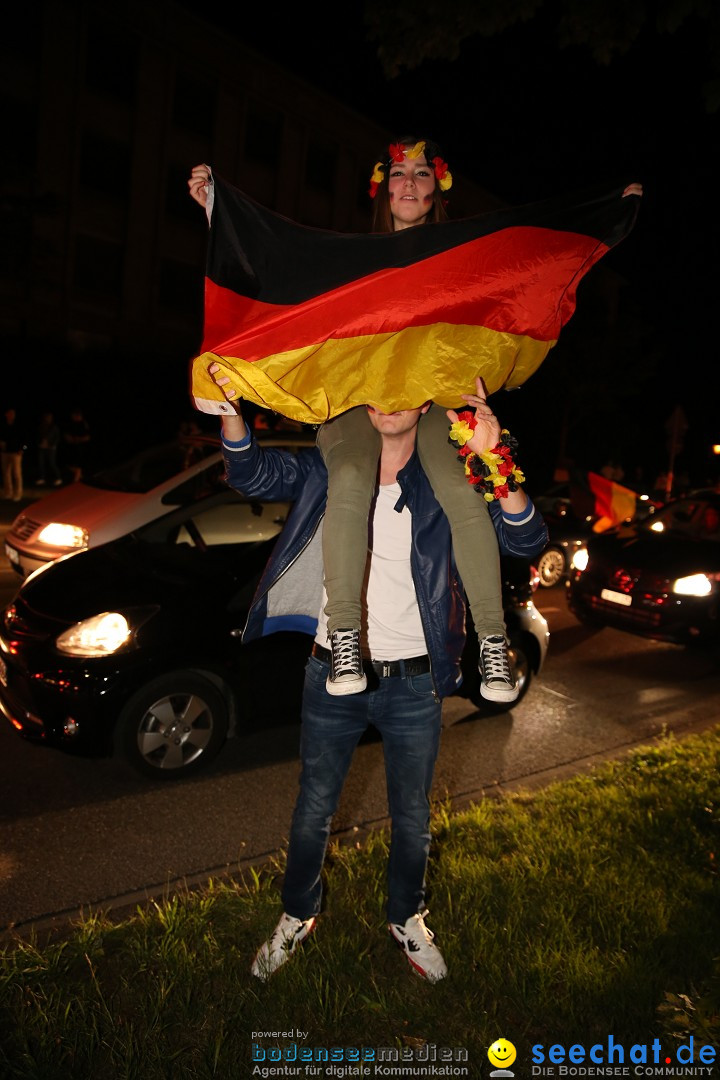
497,681
416,941
346,669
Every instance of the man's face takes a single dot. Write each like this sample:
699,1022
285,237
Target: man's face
396,423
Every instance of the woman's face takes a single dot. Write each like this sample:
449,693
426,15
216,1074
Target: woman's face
410,187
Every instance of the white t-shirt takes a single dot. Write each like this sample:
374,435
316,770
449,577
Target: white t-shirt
392,628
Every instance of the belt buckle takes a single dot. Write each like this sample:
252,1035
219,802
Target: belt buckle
386,669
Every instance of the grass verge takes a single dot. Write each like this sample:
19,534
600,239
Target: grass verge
584,910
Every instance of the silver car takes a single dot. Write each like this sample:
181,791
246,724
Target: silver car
119,499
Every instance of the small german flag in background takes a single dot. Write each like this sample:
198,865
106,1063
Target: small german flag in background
607,502
308,322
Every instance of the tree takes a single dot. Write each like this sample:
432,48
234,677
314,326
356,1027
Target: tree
414,31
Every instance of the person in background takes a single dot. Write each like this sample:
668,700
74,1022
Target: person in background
48,440
613,470
12,448
76,439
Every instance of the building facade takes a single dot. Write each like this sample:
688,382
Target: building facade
109,105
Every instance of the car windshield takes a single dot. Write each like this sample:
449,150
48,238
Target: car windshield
696,518
154,466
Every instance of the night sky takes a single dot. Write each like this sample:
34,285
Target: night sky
528,120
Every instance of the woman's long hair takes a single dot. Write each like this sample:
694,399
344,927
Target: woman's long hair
382,220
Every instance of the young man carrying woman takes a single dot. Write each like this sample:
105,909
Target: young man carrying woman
408,189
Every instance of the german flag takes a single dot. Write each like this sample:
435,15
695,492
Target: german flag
308,322
606,501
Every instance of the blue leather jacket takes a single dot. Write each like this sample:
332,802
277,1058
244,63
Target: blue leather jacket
289,594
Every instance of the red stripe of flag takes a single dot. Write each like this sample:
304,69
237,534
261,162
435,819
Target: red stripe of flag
521,281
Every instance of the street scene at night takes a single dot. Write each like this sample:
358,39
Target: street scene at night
196,296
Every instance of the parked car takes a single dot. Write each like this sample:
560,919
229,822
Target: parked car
554,500
659,578
558,499
569,530
123,497
566,535
133,647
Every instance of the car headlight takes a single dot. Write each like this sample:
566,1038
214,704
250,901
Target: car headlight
101,635
56,534
579,559
694,585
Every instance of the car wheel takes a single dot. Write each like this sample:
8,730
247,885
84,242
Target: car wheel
173,727
551,566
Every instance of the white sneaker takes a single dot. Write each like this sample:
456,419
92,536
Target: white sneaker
285,938
497,681
416,941
346,667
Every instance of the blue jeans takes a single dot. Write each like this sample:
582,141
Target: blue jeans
407,714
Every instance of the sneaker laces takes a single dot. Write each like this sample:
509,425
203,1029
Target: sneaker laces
419,933
416,941
346,659
495,659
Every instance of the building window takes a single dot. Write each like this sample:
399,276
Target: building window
181,289
263,135
22,32
16,230
98,268
320,166
194,104
105,165
20,134
111,61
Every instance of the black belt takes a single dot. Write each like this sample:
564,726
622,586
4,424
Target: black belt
414,665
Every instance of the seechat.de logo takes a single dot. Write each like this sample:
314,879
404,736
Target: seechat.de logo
501,1054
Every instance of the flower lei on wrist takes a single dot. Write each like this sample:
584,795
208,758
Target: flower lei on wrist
493,473
397,154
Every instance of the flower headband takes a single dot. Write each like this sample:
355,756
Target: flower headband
397,154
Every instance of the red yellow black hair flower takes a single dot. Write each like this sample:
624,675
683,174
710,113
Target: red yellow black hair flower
398,153
442,174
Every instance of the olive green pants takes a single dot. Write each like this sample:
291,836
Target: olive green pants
350,446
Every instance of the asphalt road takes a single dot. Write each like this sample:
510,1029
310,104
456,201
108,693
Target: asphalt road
79,834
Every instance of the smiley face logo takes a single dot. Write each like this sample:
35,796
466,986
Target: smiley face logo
501,1054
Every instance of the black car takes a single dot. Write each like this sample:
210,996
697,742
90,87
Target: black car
659,578
566,535
570,526
134,647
